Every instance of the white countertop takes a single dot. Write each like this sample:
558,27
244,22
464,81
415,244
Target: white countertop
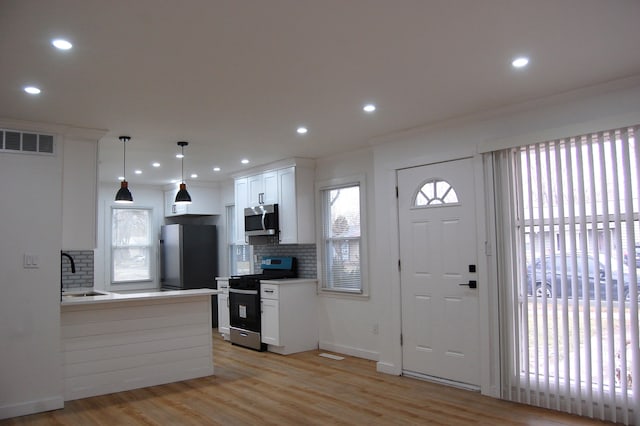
290,281
123,297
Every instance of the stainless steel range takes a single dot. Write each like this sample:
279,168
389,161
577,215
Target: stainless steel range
244,300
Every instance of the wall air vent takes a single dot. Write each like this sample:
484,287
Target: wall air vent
26,142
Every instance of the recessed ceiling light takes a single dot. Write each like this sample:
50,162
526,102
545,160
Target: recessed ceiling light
155,164
244,161
61,44
138,172
179,155
120,178
216,169
302,130
32,90
194,175
520,62
369,108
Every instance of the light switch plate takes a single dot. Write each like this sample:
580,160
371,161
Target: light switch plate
30,261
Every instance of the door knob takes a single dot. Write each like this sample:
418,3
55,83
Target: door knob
471,284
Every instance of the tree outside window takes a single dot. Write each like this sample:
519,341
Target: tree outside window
131,247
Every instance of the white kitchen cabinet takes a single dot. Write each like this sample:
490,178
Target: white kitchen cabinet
79,193
223,307
270,327
289,315
263,188
288,183
296,205
205,201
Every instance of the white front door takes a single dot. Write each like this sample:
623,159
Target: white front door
440,318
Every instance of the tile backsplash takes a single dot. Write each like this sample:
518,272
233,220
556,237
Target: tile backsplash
83,278
304,253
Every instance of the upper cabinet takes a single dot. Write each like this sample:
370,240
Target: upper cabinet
79,192
205,201
288,184
263,188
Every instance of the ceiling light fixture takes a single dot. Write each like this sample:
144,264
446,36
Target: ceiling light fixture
369,108
32,90
61,44
302,130
216,169
155,164
124,195
183,197
520,62
244,161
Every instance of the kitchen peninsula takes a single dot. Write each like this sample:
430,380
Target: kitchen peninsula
115,342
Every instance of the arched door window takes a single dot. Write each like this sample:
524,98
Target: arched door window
435,193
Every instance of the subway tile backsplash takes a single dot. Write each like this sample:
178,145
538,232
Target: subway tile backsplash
83,278
304,253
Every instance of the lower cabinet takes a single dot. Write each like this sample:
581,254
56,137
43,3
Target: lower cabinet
289,315
270,322
223,308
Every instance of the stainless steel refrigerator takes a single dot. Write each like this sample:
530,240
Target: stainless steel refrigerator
189,259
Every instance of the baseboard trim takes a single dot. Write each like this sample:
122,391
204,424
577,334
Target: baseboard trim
446,382
32,407
349,350
388,368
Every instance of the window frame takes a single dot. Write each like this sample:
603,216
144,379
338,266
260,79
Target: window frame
232,263
151,246
321,188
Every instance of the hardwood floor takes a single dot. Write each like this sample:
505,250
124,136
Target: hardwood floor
301,389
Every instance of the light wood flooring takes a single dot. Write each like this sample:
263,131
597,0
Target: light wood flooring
251,388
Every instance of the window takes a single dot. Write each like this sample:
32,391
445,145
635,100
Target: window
573,312
131,248
342,245
239,255
435,192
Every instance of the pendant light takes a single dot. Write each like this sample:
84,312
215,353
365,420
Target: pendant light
124,195
183,197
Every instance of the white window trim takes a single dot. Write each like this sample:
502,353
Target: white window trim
130,285
364,263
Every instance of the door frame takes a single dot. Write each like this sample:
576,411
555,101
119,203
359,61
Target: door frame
487,271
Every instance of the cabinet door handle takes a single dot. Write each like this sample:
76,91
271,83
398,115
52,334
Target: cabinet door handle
268,291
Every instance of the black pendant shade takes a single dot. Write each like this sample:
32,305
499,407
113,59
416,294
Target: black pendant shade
183,197
124,195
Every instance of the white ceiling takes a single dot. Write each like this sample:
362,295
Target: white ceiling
236,78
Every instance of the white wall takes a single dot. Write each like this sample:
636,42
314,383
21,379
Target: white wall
598,108
31,213
348,324
144,196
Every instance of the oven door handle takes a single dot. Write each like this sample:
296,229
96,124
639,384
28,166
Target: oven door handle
238,291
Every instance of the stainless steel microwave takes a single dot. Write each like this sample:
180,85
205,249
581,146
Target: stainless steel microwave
261,220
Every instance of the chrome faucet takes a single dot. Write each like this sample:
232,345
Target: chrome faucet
73,269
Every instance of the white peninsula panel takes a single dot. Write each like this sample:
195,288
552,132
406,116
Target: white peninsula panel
114,343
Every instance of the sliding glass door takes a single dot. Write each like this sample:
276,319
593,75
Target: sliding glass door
570,218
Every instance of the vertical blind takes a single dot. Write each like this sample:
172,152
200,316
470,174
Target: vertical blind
342,239
571,218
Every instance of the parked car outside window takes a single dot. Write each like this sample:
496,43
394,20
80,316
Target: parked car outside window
552,283
637,257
